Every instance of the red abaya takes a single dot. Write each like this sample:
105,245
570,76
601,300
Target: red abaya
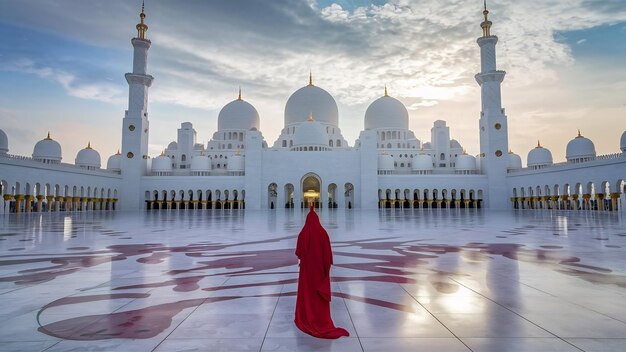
313,300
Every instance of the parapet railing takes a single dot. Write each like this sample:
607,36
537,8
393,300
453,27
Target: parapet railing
570,163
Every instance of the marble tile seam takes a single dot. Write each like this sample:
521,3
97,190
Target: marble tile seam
435,317
271,317
356,332
507,308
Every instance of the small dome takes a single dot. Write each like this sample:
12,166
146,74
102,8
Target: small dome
236,163
238,115
422,162
465,162
198,147
310,133
115,162
47,149
454,144
311,99
161,163
172,146
88,157
427,146
4,143
539,156
200,163
515,161
386,112
386,162
622,142
580,149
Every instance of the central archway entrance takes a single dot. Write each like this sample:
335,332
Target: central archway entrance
311,186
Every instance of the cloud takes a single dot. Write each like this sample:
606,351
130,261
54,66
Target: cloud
102,91
425,51
423,103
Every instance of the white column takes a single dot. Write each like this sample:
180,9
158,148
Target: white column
281,197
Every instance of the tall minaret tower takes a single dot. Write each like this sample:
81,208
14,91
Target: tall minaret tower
135,126
494,140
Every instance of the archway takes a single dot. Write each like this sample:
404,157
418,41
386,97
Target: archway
332,200
311,186
289,189
272,195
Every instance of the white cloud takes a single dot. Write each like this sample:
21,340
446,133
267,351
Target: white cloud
423,103
425,51
102,91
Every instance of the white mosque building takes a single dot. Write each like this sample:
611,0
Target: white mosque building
311,162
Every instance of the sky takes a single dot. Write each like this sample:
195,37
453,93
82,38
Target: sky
62,65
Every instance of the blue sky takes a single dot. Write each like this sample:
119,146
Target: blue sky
62,65
603,42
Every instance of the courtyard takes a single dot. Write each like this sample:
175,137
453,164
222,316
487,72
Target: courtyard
225,280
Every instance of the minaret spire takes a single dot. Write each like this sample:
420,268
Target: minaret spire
486,25
493,125
239,97
135,125
141,26
386,91
310,78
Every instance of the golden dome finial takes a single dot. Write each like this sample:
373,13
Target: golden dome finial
48,137
538,144
310,78
142,27
89,145
486,25
163,152
386,91
579,135
510,151
239,97
238,153
118,152
310,117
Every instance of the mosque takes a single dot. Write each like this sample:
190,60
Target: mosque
311,162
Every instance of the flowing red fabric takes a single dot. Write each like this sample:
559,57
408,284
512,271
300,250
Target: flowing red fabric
313,300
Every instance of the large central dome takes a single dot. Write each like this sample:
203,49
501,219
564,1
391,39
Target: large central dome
311,99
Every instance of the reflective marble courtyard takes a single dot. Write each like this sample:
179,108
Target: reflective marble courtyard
412,280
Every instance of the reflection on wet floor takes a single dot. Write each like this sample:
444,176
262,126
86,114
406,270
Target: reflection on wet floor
403,279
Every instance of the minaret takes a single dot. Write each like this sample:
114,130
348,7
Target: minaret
135,126
494,140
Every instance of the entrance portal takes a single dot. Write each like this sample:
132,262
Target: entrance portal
311,186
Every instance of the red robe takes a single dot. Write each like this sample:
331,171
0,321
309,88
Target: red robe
313,300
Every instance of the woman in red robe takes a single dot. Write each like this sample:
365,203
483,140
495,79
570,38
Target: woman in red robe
313,300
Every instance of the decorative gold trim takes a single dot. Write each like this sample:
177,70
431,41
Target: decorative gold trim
486,25
142,27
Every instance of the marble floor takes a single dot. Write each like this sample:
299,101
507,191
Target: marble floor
403,280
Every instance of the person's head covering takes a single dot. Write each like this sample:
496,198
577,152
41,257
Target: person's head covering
312,222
